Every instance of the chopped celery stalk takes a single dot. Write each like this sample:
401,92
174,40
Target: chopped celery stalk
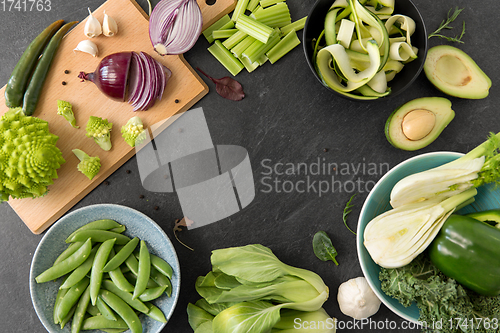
285,45
225,33
234,39
258,49
295,26
262,60
267,3
239,10
216,26
253,28
346,31
275,16
252,4
233,65
242,46
250,67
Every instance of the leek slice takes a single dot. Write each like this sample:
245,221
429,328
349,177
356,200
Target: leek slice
233,65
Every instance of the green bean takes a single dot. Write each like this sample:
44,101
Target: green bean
162,266
59,297
105,224
100,322
162,280
152,293
144,270
69,251
92,309
67,265
65,320
155,313
98,236
104,309
80,271
123,310
81,308
125,296
122,255
71,297
96,272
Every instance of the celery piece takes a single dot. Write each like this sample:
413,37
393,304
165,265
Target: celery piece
257,49
262,60
234,39
216,26
250,67
242,46
239,10
275,16
267,3
252,4
253,28
223,33
233,65
285,45
295,26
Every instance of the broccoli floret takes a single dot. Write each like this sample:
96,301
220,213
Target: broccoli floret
88,165
29,158
100,130
65,109
133,131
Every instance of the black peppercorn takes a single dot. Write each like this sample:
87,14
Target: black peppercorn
64,83
176,101
156,207
141,196
128,171
66,72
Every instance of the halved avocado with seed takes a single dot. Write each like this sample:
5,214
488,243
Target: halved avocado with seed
418,123
453,72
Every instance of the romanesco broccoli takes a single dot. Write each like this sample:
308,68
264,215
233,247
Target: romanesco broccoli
65,109
29,158
133,131
88,165
100,130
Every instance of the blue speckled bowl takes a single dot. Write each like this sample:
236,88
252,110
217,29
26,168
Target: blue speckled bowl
52,244
377,202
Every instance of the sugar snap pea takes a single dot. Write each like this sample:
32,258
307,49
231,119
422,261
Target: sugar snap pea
123,310
67,318
152,293
144,270
71,298
98,236
104,309
80,272
119,229
125,296
104,224
162,280
155,313
122,255
117,276
92,309
81,308
114,330
130,276
96,272
59,297
69,251
100,323
67,265
162,266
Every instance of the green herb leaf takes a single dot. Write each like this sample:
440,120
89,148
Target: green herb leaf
347,210
445,24
323,247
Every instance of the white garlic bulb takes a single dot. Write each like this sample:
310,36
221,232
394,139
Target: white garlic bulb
88,47
109,26
92,26
356,299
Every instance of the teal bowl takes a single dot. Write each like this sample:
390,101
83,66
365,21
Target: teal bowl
43,295
377,202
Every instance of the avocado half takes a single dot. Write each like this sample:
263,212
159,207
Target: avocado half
453,72
417,123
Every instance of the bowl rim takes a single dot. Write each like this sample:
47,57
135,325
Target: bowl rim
408,84
359,243
36,254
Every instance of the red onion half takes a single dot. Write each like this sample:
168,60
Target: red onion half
137,78
174,26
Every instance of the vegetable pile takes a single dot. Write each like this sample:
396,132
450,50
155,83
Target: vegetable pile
105,281
362,47
249,290
29,158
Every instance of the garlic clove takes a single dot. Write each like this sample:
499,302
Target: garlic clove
92,26
88,47
109,26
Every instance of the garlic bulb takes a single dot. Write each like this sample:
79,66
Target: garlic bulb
92,26
109,26
356,299
88,47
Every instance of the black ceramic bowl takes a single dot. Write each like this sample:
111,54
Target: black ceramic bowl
315,25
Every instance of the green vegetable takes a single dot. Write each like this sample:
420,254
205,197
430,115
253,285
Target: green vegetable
254,28
144,270
96,272
492,215
323,247
101,323
285,45
222,22
123,310
89,166
121,256
133,131
105,310
65,109
14,91
347,211
276,16
98,236
81,308
104,224
467,250
100,130
439,298
71,298
226,58
29,156
445,24
32,93
80,272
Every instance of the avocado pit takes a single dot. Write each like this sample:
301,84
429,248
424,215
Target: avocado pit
418,123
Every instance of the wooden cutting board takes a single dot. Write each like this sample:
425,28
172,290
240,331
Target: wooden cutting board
183,90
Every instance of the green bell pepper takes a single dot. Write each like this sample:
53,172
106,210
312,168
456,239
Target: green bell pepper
466,250
491,217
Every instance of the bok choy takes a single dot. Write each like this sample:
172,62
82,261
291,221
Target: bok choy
249,289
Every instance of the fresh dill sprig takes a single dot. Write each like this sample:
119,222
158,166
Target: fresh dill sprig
445,24
347,210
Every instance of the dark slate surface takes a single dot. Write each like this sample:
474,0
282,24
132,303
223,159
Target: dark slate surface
286,117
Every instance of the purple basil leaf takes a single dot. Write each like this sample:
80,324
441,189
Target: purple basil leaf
227,87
